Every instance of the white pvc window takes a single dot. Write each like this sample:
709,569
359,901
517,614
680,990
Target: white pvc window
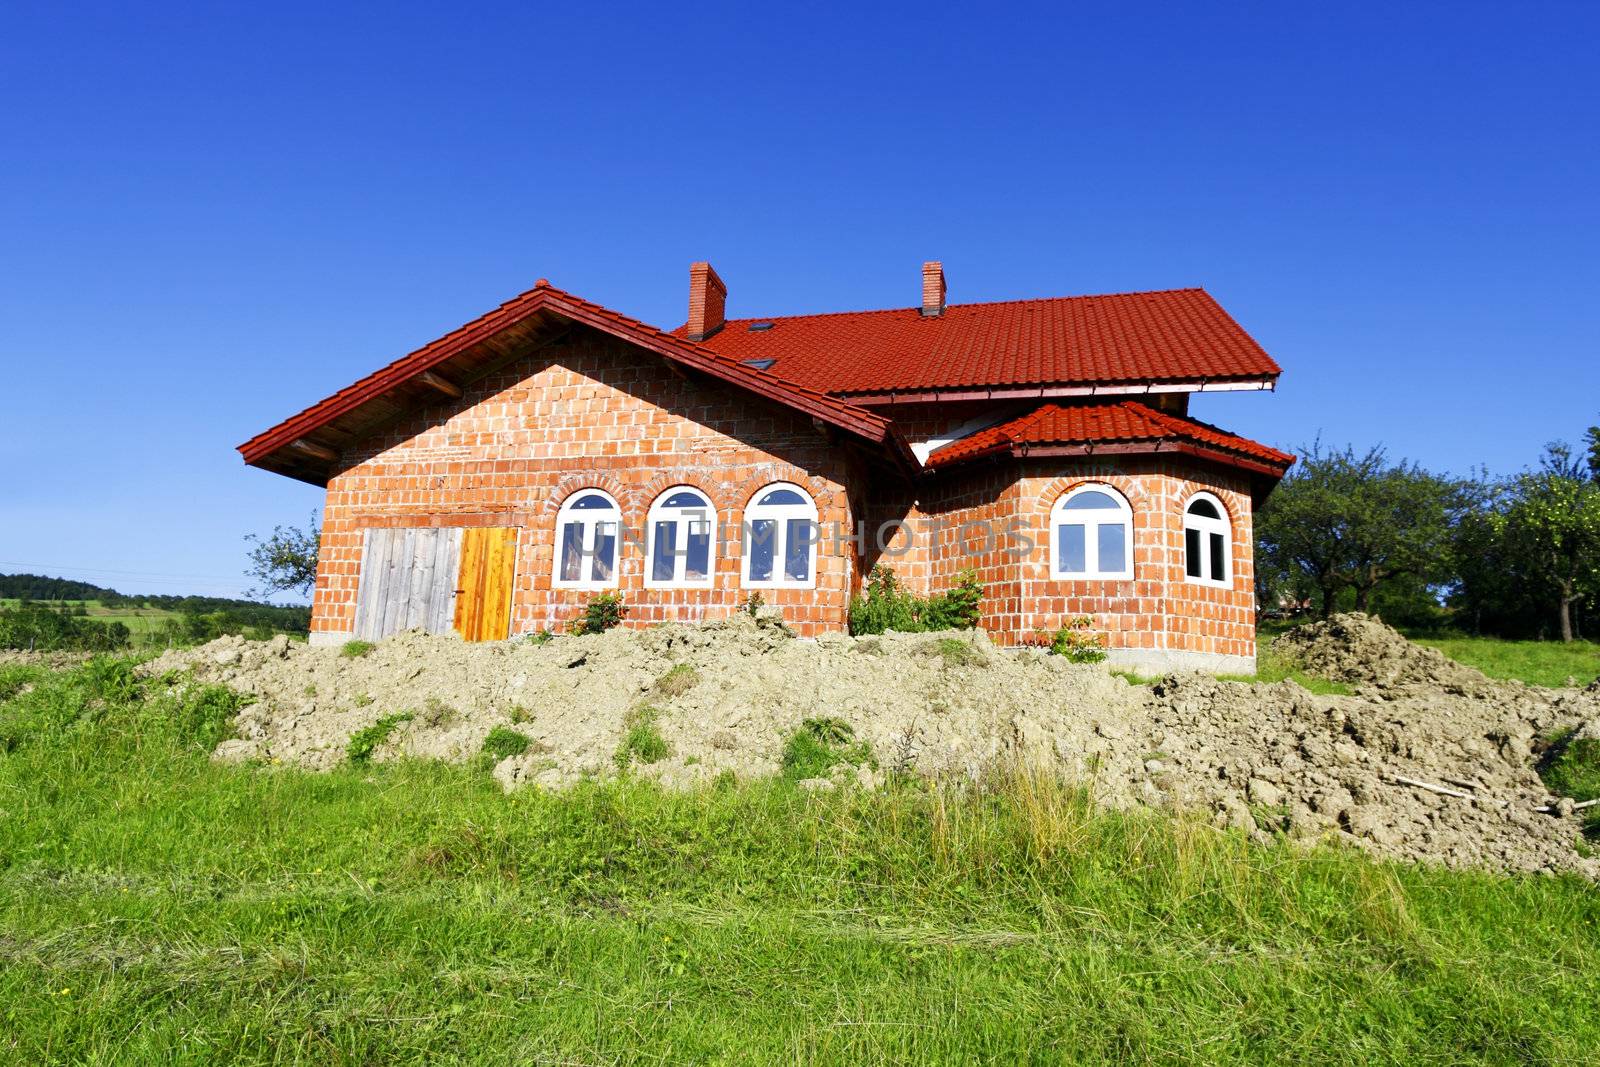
1207,541
780,539
587,529
680,549
1091,534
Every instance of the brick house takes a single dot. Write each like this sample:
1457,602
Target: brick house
496,480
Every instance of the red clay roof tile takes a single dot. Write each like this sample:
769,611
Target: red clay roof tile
1177,335
1099,423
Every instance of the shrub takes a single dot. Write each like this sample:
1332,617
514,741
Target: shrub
601,614
356,649
1077,643
819,746
753,603
504,742
643,742
539,637
365,741
888,606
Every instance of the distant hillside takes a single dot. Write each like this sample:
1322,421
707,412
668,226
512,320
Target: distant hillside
40,587
40,612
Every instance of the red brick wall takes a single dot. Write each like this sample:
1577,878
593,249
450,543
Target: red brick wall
597,413
594,413
1157,611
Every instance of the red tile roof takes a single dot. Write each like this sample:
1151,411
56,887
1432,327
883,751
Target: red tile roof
1178,335
544,297
1110,426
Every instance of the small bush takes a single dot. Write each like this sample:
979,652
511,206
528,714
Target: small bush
643,742
503,743
601,614
365,741
540,637
1077,643
754,603
888,606
678,681
356,649
819,746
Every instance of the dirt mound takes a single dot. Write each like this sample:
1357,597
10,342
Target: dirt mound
1433,761
1358,648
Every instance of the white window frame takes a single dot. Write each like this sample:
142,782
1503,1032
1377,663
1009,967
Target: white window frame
685,517
590,521
782,514
1091,520
1207,526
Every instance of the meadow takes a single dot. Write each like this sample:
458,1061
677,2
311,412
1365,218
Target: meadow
159,908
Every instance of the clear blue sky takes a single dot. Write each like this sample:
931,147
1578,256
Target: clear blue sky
209,221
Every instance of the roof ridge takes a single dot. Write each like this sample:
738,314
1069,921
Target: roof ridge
970,304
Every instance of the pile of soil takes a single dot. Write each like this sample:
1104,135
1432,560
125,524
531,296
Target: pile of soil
1430,761
1358,648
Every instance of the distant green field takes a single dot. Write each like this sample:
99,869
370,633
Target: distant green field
137,620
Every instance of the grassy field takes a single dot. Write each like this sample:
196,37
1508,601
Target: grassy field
1548,663
157,908
139,621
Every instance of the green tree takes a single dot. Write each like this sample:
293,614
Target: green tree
1344,520
1550,531
286,560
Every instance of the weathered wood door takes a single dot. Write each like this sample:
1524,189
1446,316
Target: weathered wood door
436,580
483,596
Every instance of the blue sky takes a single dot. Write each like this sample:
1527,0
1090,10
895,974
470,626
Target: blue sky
210,220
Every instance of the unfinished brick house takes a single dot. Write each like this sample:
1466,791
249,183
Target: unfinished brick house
496,480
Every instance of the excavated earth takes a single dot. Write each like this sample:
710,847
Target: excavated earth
1428,760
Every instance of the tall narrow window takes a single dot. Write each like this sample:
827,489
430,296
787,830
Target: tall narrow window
780,538
1091,534
1207,541
586,541
679,540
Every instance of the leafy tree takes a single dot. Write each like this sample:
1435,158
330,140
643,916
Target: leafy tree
1343,521
1551,532
286,560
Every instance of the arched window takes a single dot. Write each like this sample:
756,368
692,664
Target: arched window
1091,534
678,540
780,538
586,541
1207,541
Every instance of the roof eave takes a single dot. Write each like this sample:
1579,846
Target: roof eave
1254,384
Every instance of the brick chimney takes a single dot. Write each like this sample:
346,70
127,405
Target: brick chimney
933,288
707,299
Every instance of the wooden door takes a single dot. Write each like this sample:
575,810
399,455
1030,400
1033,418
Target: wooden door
437,580
408,581
483,595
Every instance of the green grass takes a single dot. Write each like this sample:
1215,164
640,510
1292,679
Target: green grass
503,741
356,649
1270,667
819,746
1274,667
159,908
364,742
1547,663
643,742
